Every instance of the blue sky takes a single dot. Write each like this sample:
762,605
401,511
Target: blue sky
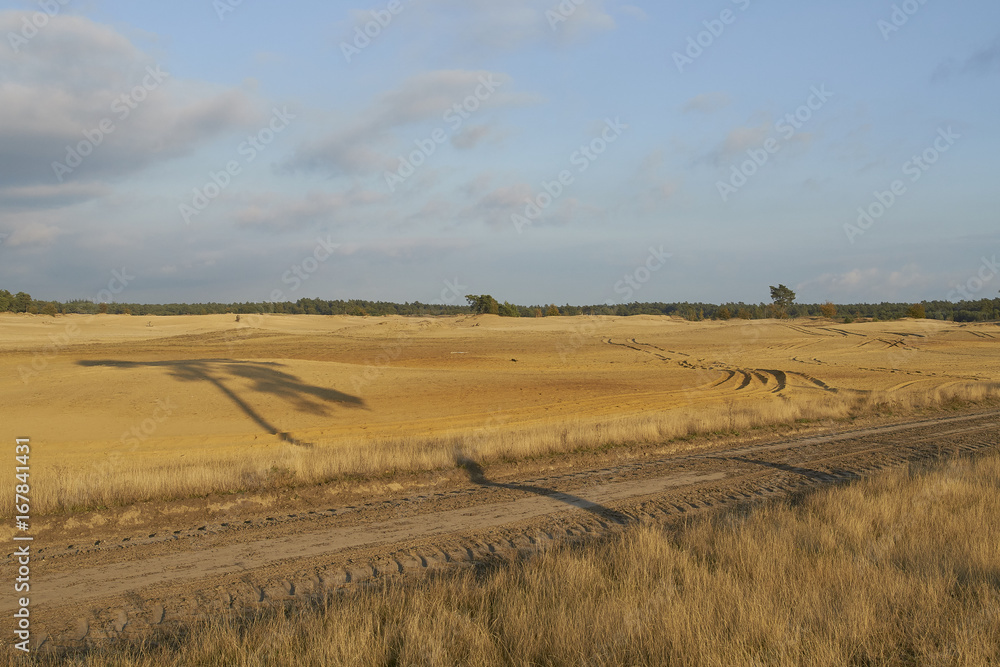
694,149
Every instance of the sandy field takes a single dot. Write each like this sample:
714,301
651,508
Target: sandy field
122,408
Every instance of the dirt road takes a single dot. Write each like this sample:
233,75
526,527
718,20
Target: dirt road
102,591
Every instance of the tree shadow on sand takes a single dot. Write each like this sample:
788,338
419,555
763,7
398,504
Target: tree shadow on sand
264,375
809,473
478,476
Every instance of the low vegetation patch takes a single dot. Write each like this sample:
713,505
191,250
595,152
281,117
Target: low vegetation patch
899,569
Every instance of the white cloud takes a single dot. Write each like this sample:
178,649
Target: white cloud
707,103
489,26
871,284
733,145
46,195
742,138
478,185
983,62
652,162
33,234
634,12
84,85
368,143
471,136
276,213
436,210
496,207
656,188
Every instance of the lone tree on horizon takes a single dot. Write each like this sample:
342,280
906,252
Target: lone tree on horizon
783,298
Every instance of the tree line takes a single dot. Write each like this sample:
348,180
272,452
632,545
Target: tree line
782,305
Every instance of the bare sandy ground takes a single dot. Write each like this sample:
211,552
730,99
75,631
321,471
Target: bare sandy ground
84,386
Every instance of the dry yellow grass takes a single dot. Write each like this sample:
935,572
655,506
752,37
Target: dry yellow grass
900,569
282,400
123,480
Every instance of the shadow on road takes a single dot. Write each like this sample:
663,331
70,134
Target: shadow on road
814,475
265,378
478,476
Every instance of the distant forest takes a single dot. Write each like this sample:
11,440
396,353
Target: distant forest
982,310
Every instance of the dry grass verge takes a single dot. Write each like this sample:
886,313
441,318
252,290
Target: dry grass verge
123,479
900,569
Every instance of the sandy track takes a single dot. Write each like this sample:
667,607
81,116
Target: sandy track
80,585
88,596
